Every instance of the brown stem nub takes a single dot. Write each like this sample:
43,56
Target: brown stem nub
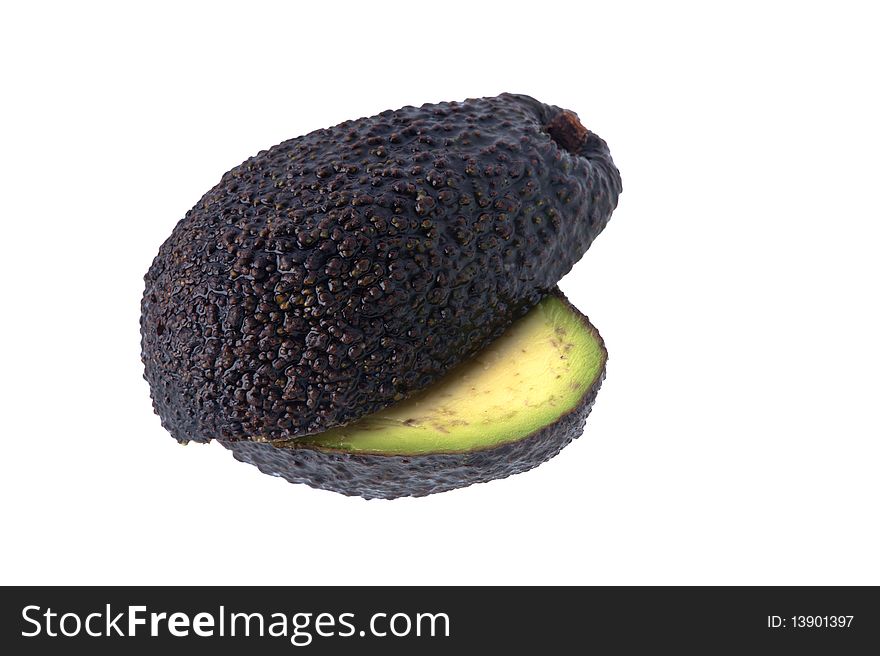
567,131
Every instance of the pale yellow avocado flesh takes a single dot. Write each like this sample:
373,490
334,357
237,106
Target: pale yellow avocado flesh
527,379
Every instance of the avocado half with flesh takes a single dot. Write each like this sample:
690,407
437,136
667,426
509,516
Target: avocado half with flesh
514,405
371,308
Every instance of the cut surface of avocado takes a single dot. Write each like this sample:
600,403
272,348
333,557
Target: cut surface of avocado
536,372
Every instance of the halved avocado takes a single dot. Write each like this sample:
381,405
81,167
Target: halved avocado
514,405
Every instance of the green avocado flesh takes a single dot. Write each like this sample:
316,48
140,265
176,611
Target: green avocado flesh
535,373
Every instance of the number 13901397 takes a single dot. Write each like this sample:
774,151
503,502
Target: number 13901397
810,622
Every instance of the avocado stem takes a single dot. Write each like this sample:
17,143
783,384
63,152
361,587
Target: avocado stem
567,131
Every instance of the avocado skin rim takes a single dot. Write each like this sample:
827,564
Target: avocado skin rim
374,476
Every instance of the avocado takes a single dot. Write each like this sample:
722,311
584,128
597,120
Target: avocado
340,272
509,408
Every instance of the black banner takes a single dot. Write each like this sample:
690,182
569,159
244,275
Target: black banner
402,620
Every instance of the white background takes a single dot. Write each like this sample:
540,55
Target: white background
736,438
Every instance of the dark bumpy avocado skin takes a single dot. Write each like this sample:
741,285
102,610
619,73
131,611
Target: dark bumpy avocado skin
390,477
341,271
